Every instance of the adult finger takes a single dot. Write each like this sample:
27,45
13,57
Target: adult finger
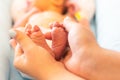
25,42
19,58
70,23
18,51
13,43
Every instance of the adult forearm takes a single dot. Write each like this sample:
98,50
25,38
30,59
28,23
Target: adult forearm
58,72
107,66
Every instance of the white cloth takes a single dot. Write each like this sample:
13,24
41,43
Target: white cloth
7,71
108,23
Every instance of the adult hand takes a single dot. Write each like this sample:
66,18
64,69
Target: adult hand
37,61
81,41
28,56
87,58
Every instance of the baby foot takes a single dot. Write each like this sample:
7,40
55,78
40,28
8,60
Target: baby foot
58,35
37,36
83,45
59,40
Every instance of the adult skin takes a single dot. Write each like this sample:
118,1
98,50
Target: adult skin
48,66
92,61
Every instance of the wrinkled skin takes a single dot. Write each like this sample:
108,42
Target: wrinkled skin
59,40
58,36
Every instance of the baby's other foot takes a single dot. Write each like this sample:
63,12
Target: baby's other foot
37,36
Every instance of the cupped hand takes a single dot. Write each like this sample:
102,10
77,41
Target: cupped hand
29,57
81,41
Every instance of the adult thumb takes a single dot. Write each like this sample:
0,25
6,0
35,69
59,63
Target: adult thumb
69,24
24,41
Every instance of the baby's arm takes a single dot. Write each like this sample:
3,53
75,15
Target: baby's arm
22,22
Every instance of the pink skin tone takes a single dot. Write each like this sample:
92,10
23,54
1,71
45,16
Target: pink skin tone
88,59
72,61
59,39
37,36
58,36
76,58
72,7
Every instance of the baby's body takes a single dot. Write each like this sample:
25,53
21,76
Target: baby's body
23,13
44,18
35,16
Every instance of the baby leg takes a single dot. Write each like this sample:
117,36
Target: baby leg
58,35
37,36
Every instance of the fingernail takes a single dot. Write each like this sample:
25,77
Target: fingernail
12,33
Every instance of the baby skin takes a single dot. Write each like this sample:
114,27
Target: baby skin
58,36
76,60
37,12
